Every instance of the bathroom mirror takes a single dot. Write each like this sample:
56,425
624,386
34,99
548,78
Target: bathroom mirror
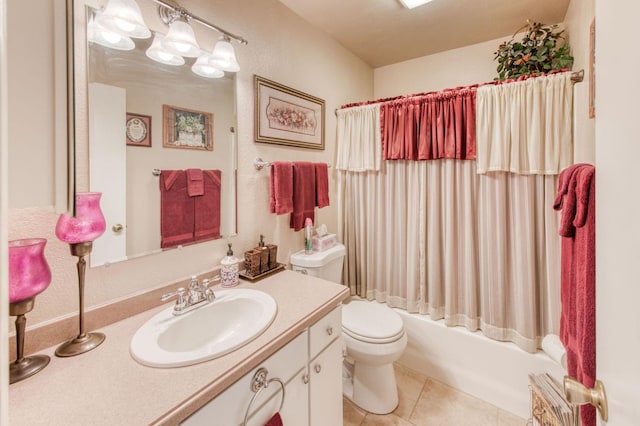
117,86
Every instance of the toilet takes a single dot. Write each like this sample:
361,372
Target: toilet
373,334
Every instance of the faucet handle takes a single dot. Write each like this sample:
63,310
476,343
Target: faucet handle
179,293
208,292
194,283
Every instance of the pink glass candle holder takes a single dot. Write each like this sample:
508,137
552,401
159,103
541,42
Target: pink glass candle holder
88,223
29,273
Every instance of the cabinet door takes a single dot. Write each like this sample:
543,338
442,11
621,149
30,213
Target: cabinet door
325,391
295,409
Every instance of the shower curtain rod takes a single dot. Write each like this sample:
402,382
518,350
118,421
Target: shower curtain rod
576,77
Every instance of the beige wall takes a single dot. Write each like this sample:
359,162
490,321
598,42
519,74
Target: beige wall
281,47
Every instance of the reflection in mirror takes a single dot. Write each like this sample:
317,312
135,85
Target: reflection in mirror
167,110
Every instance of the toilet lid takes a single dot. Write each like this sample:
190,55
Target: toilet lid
371,322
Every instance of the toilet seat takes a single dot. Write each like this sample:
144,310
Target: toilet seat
371,322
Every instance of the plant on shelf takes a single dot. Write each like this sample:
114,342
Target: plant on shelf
543,48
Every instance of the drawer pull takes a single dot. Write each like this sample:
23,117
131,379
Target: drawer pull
318,368
305,379
329,330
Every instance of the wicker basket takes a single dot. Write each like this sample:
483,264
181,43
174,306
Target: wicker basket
252,262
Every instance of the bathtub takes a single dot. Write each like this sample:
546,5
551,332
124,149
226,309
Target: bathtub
496,372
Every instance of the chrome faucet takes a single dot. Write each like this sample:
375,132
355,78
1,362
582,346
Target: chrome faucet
197,295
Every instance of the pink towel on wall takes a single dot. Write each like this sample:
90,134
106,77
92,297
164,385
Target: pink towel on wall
207,207
195,184
275,420
176,209
322,185
281,187
304,194
577,320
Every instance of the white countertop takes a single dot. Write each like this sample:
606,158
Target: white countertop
107,387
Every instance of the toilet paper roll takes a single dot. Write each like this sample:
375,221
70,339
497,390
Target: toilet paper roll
552,346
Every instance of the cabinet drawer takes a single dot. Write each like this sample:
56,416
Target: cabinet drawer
325,331
230,406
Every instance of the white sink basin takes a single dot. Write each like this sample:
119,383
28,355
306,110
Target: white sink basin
232,320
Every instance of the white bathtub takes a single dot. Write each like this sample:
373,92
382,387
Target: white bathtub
496,372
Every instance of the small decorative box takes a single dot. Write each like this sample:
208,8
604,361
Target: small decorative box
273,255
252,262
323,243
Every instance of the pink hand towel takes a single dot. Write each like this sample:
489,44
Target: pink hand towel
281,187
195,184
304,194
322,185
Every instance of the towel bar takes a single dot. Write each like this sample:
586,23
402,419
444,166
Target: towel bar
258,383
260,164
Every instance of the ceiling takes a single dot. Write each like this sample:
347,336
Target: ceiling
383,32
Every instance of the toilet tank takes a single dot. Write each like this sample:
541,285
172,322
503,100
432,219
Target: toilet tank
325,264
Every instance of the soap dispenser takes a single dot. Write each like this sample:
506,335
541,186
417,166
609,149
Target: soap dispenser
229,270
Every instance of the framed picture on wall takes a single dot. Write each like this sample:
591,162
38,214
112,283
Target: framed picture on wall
187,128
286,116
138,130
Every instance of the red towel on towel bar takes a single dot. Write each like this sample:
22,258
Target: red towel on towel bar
281,187
577,321
207,207
304,194
322,185
176,209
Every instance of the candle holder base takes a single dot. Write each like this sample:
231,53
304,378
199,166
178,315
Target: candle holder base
27,367
81,344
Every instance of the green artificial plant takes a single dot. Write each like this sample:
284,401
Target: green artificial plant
543,48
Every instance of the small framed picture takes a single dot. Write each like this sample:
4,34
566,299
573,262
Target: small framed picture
138,129
187,128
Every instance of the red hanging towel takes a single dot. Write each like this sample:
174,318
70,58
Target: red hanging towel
207,207
176,209
275,420
322,184
576,199
281,187
304,194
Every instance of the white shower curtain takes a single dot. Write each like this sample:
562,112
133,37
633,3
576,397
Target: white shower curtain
433,237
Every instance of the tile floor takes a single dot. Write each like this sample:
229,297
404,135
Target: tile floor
427,402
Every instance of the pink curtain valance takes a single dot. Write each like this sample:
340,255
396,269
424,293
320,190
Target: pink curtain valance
439,125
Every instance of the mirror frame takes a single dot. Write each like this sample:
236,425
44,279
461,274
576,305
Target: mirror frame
77,106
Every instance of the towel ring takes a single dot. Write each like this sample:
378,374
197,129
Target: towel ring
258,383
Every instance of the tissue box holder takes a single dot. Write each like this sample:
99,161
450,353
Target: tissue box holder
323,243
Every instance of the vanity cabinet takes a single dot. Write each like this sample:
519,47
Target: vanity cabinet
310,366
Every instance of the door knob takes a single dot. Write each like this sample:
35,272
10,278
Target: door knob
579,394
117,228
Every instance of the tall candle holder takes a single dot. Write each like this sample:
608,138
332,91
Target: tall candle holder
79,232
29,275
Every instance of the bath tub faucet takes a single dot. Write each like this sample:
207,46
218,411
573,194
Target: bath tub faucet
197,295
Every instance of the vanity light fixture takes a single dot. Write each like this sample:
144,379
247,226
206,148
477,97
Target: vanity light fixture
178,18
124,17
107,38
180,40
223,56
204,68
159,54
411,4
